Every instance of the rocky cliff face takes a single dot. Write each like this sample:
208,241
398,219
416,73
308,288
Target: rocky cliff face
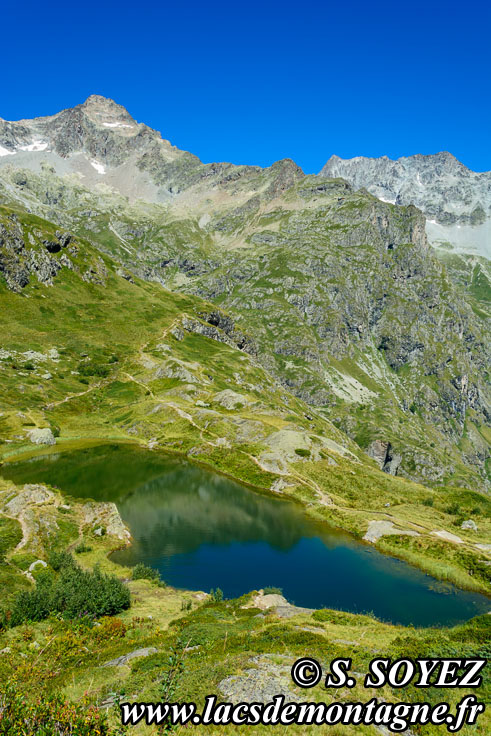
455,200
336,292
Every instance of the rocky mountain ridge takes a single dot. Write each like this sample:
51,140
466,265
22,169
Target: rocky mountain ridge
455,199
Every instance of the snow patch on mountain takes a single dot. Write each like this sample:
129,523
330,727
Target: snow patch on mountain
116,125
35,146
100,168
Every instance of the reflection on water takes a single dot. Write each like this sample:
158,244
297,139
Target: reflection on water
204,531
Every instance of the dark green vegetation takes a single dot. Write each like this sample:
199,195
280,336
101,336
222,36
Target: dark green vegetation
144,572
73,592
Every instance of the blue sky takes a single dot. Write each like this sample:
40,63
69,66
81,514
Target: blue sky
253,82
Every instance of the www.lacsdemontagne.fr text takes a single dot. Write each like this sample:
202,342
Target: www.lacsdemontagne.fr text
395,716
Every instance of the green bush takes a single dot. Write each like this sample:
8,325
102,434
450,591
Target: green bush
216,595
57,560
428,501
453,509
49,715
141,571
72,593
303,453
93,369
272,590
82,547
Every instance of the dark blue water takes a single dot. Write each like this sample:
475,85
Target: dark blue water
204,531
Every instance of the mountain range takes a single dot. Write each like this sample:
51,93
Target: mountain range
328,283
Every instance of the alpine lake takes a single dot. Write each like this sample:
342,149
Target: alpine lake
203,531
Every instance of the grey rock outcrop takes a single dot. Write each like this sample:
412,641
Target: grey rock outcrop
125,658
382,453
455,199
42,436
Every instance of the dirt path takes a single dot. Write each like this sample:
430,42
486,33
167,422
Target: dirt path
75,396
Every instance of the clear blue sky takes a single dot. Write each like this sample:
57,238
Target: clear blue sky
253,82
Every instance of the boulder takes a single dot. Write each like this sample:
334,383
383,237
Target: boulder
105,515
383,528
125,658
42,436
386,459
469,524
230,399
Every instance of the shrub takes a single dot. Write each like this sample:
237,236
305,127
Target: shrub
271,589
111,628
73,592
93,369
57,560
453,509
216,595
303,453
82,547
141,571
29,366
428,501
49,715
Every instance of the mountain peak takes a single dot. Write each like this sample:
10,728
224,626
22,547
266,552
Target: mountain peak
100,101
98,107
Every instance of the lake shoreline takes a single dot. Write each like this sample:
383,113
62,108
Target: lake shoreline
25,453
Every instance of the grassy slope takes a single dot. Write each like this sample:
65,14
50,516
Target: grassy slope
147,398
